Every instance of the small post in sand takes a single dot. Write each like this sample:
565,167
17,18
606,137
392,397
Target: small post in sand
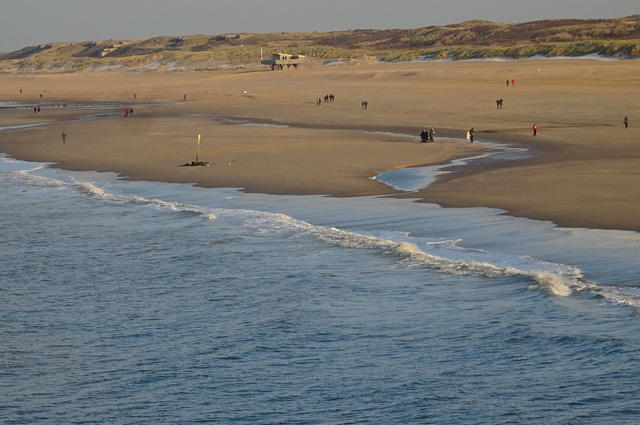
197,162
198,147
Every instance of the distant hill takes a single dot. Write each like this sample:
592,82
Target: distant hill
618,37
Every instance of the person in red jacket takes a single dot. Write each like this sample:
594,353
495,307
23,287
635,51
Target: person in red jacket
534,128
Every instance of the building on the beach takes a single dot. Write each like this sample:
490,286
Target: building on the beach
283,60
111,48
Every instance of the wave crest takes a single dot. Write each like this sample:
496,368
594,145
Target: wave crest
444,256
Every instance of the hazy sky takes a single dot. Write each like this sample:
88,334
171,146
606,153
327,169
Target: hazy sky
27,22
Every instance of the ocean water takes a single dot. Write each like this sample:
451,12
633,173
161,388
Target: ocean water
9,105
153,303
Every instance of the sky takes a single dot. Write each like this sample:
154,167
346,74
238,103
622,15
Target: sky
29,22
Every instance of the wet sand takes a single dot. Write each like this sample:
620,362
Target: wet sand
256,158
584,172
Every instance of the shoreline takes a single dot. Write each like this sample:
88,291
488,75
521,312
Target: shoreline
241,121
580,171
421,195
536,156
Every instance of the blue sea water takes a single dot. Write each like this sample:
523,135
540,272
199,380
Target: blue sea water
152,303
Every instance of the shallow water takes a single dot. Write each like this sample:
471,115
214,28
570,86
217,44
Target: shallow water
9,105
418,178
138,302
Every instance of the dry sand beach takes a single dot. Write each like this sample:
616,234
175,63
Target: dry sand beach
583,171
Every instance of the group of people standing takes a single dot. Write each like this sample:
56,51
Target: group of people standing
128,112
328,98
428,136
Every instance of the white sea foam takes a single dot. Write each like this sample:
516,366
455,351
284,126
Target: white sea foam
441,255
97,192
33,179
91,189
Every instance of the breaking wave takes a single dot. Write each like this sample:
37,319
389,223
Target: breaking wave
441,255
94,191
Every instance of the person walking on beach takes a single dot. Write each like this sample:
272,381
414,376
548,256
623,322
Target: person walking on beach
38,109
534,128
35,110
64,137
513,83
184,97
625,121
135,95
432,135
365,105
471,134
20,91
507,83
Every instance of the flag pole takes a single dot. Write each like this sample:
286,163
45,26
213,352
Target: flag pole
198,147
